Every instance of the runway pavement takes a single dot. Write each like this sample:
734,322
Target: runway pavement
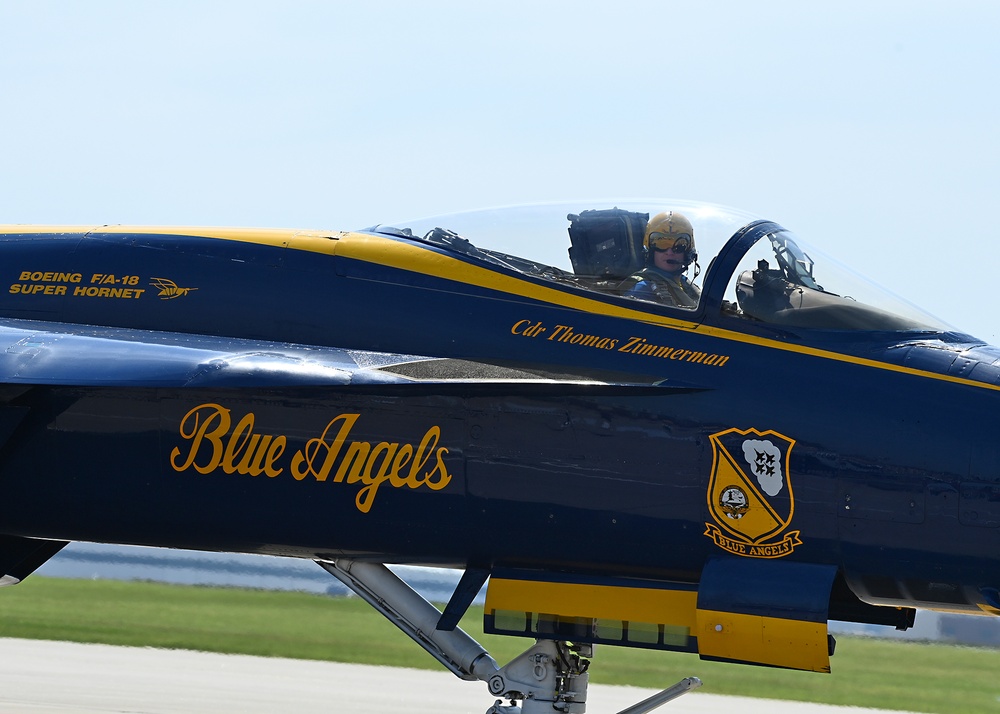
38,677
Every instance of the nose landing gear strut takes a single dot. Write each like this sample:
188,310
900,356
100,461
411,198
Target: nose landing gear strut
551,676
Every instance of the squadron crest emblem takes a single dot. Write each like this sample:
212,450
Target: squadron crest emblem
750,494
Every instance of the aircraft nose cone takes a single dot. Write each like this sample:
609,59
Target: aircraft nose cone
973,361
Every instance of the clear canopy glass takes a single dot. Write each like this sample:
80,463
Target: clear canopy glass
597,246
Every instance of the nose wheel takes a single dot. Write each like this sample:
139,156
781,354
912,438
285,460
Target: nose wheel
552,676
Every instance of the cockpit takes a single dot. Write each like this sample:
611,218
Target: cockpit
737,266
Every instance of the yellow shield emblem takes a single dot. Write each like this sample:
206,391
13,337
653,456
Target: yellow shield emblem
750,494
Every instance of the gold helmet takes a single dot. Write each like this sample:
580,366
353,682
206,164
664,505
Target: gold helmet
670,231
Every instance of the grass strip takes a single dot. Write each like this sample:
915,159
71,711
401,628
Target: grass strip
867,672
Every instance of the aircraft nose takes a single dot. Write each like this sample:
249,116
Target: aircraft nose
973,361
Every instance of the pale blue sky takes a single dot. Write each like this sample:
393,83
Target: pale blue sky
869,128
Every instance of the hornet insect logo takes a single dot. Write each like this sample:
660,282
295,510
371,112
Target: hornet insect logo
168,288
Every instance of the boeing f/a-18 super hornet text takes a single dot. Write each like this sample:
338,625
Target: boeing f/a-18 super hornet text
684,435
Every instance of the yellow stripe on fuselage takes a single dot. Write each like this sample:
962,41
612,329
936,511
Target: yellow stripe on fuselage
275,237
420,259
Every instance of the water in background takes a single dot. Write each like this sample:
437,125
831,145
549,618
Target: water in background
187,567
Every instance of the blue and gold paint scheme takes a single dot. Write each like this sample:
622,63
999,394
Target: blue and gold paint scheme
211,443
722,479
750,494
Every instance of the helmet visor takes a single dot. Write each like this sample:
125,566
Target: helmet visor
674,242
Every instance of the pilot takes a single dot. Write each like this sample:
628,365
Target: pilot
669,248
